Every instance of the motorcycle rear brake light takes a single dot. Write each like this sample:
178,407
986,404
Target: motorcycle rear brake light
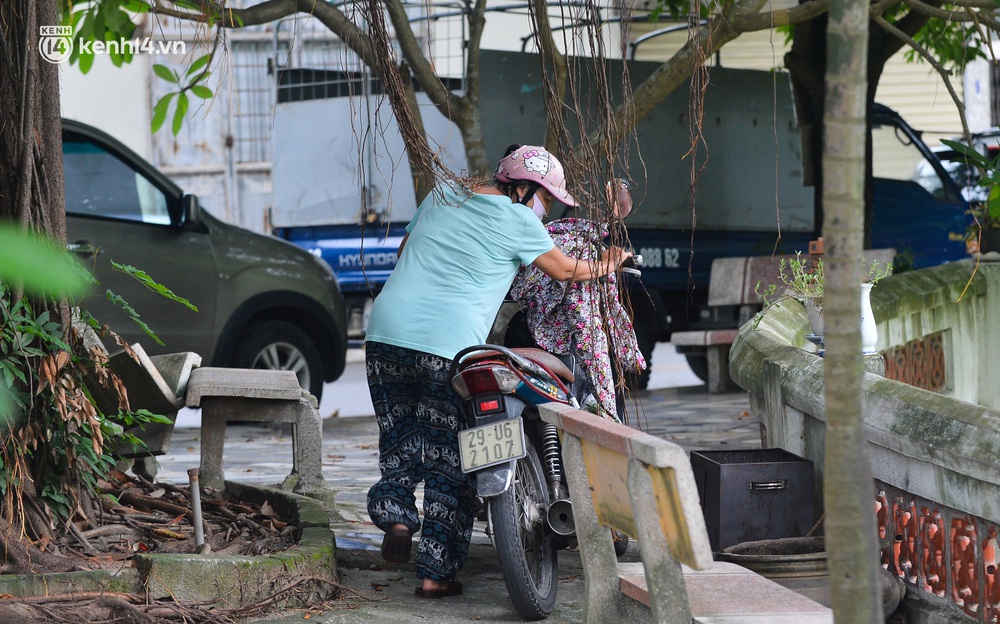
480,381
487,381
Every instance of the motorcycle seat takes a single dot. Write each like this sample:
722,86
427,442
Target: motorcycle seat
548,361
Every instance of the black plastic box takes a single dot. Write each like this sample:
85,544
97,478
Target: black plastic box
753,495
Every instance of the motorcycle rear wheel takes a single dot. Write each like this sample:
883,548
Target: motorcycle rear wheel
524,543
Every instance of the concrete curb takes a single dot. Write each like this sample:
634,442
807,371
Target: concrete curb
233,581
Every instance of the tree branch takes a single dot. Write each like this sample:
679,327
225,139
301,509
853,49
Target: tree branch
553,74
938,67
475,150
654,90
333,18
964,16
415,57
263,13
752,22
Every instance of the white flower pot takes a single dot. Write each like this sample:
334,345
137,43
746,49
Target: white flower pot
869,331
814,309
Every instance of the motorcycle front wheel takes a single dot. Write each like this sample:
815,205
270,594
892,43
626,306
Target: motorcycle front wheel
524,543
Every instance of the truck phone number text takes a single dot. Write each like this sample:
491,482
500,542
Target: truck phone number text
660,257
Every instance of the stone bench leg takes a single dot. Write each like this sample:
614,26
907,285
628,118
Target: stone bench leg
307,435
718,368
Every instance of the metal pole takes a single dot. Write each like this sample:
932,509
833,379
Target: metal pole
199,531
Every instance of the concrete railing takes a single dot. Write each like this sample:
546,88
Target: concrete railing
940,330
935,458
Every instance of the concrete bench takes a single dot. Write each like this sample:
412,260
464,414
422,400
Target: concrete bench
273,396
155,383
732,282
644,486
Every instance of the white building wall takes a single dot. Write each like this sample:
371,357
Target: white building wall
977,88
114,99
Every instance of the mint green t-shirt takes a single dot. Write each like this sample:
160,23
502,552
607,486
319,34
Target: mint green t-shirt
458,263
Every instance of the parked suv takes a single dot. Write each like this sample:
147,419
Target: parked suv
262,302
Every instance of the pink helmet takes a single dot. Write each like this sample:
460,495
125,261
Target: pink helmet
531,163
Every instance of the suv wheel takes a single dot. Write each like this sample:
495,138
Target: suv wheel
277,345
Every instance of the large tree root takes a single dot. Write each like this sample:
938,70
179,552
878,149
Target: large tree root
104,607
20,556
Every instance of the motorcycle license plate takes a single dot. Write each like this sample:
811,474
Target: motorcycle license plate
491,444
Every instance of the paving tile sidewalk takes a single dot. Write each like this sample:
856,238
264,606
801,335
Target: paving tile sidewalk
258,454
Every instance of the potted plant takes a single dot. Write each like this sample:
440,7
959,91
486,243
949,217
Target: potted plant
983,234
801,279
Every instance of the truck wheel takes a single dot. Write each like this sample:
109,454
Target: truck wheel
277,345
699,365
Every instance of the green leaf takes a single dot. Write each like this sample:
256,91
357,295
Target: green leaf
135,6
160,111
148,416
974,156
182,106
99,25
117,22
86,31
993,206
200,63
165,73
129,311
85,62
201,91
143,278
38,264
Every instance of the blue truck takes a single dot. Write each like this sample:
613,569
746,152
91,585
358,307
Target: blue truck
752,198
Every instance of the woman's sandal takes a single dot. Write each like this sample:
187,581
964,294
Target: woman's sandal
396,545
451,588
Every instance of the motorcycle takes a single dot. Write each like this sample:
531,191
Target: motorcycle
517,461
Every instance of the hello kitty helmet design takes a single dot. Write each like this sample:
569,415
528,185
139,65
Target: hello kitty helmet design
531,163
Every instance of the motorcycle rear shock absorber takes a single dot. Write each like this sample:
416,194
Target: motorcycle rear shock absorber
560,512
551,462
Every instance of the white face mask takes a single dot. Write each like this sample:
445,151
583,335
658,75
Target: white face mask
537,206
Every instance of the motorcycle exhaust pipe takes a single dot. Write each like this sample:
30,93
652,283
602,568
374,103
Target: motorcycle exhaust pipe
560,517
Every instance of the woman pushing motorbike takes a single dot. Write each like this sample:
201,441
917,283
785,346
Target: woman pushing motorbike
456,263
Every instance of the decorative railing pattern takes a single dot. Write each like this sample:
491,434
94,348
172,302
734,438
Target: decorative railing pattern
940,552
919,362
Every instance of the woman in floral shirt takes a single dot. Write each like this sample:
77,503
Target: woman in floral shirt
587,316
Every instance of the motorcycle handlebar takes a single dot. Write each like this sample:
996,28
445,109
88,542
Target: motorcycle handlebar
631,266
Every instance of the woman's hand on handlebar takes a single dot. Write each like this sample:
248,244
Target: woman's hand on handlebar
561,267
614,257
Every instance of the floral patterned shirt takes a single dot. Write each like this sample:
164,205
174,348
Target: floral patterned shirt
560,312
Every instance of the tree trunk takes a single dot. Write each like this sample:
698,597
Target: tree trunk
851,540
806,63
31,189
31,195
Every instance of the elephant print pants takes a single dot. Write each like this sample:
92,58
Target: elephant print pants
419,416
